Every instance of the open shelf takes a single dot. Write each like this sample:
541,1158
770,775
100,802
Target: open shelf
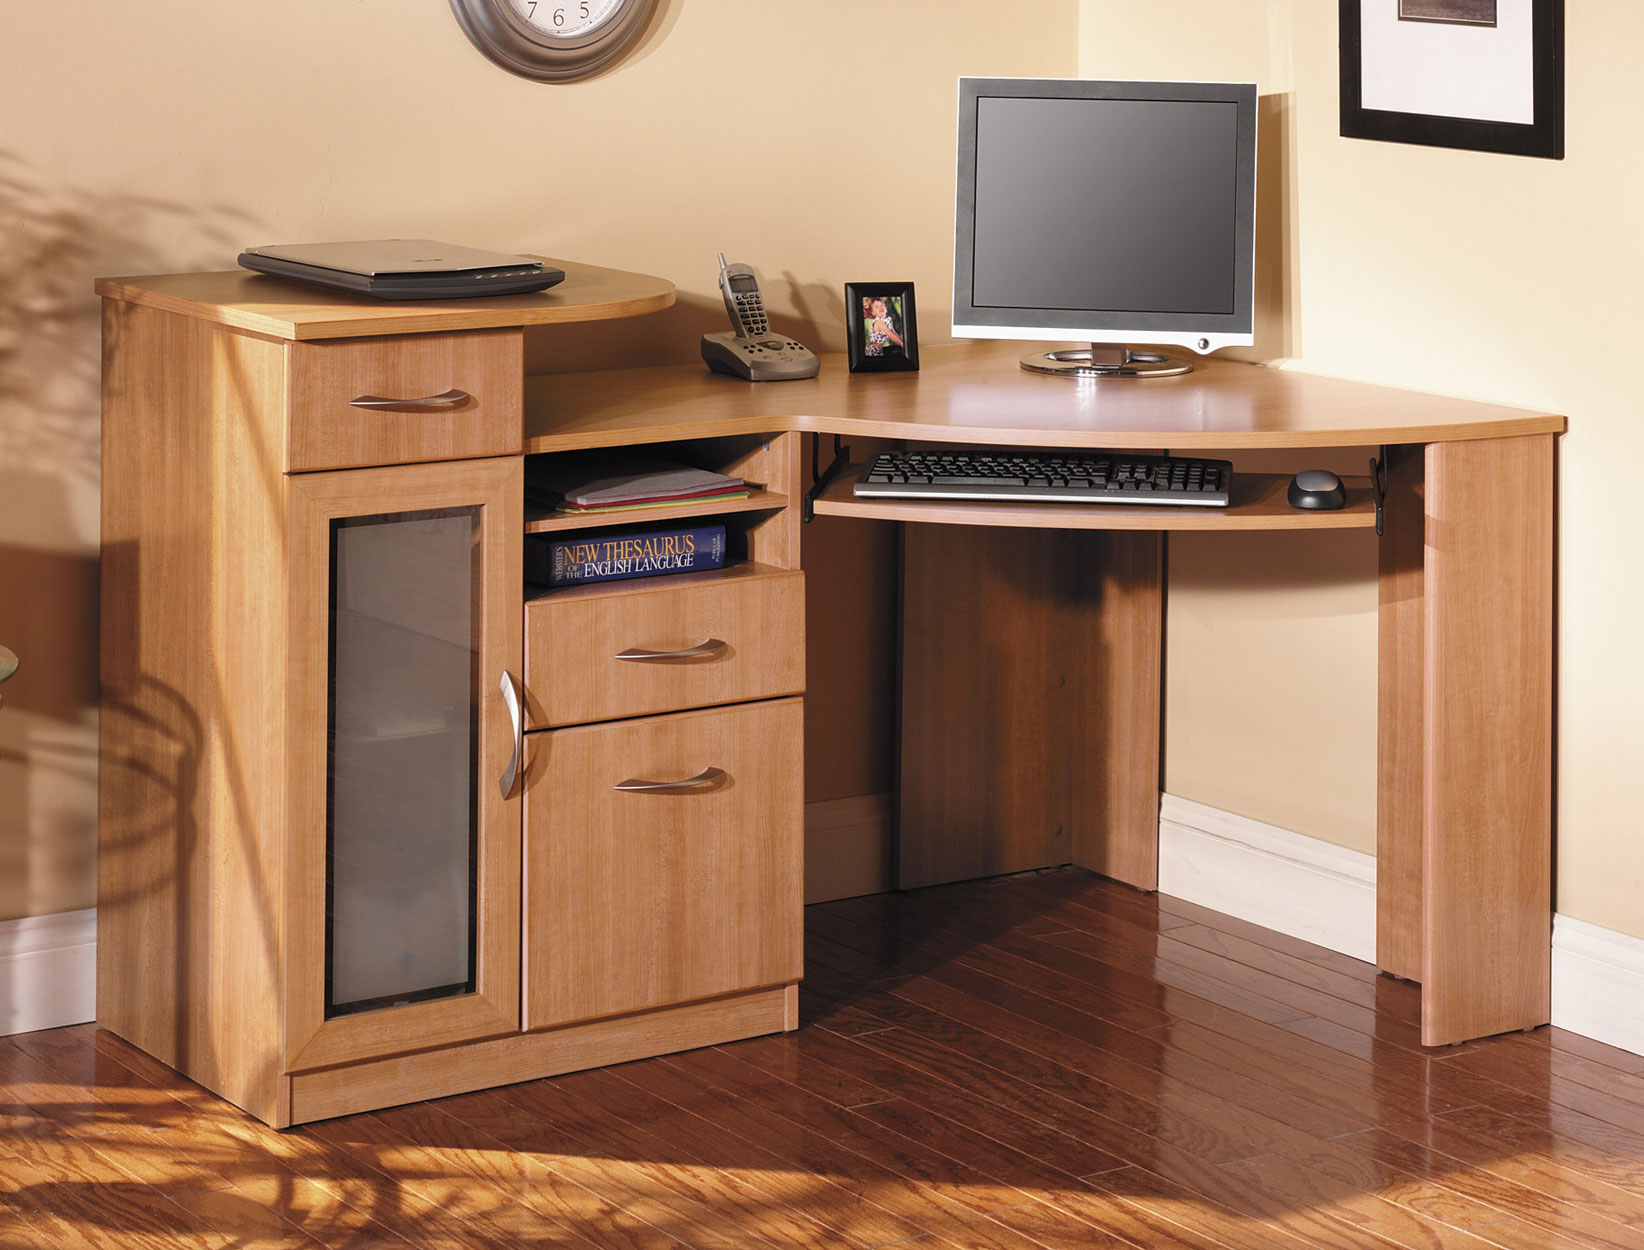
543,521
1258,503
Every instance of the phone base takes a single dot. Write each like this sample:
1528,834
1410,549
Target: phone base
771,358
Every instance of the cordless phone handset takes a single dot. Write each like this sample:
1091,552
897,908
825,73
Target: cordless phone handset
740,287
748,349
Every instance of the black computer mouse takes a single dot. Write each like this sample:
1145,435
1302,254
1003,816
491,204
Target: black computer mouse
1317,488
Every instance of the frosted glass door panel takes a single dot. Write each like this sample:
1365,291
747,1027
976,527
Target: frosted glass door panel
402,810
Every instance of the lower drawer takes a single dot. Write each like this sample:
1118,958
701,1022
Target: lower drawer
664,860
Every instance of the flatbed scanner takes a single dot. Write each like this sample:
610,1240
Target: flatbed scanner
404,268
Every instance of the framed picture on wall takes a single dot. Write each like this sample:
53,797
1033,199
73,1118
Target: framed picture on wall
881,328
1487,75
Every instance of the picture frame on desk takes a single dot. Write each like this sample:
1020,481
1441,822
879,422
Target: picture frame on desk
1483,75
881,326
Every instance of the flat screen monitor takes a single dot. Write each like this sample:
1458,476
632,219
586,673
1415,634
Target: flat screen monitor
1107,213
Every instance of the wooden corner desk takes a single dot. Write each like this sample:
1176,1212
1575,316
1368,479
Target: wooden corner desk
1032,634
262,439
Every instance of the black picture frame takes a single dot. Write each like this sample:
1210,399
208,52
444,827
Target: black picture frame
870,351
1543,137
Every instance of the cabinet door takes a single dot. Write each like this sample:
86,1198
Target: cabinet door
687,888
403,848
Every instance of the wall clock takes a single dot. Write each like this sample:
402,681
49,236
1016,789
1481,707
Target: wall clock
552,40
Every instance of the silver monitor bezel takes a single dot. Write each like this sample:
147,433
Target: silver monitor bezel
1201,332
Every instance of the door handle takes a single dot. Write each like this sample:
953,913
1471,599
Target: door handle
707,777
708,646
510,775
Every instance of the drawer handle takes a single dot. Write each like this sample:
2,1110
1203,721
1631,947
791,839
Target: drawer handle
445,399
707,647
707,777
516,717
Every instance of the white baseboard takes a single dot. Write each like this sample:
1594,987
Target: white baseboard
1598,983
48,971
1269,876
1326,895
847,847
1281,880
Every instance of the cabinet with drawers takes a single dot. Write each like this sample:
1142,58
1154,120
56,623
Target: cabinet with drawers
378,821
664,794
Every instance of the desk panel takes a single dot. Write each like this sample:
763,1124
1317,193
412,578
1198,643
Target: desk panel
1030,703
1400,738
1487,767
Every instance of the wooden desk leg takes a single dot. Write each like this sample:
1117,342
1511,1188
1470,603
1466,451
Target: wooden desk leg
1486,723
1030,703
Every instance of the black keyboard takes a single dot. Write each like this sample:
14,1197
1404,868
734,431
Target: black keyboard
1047,477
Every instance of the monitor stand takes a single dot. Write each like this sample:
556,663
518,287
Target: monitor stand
1107,360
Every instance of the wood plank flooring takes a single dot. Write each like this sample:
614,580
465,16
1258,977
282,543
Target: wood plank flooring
1034,1063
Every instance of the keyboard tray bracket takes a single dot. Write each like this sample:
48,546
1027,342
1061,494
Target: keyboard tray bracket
821,479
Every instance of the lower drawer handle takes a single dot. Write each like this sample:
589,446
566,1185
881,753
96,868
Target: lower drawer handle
707,777
445,399
709,646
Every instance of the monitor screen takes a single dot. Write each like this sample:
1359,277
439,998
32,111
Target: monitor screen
1105,211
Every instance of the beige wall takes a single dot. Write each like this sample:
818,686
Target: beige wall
1491,277
813,140
165,136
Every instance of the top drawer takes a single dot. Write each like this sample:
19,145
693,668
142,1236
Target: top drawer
635,648
404,400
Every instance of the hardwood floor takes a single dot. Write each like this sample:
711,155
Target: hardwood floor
1045,1061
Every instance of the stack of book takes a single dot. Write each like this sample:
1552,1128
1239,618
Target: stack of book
619,481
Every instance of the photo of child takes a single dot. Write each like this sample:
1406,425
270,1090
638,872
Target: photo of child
880,317
881,327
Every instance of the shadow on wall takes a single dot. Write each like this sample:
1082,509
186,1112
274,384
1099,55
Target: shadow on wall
48,615
674,336
54,241
1278,338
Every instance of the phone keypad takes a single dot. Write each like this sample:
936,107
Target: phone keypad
751,309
